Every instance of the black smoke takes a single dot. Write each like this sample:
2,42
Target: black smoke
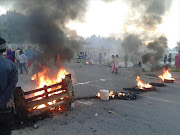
131,43
46,24
157,50
151,12
147,15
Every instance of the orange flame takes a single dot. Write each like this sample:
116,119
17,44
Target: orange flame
45,78
34,77
39,106
166,75
141,84
111,94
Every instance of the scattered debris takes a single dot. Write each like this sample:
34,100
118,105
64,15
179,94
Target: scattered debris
119,95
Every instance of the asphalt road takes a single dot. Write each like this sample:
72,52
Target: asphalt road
152,113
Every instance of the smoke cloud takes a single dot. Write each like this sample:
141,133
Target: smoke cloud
45,25
157,49
146,15
131,43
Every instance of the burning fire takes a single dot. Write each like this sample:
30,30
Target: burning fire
45,78
166,75
142,85
111,94
121,94
98,95
34,77
39,106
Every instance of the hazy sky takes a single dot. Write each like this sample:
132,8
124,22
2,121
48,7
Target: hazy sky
111,19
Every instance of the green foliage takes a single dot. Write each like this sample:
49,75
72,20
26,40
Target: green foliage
173,69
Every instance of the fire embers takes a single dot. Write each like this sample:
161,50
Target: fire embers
166,76
116,95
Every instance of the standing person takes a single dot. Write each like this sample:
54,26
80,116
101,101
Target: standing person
177,61
116,63
9,54
81,59
86,56
23,60
30,55
13,55
165,59
17,57
112,63
100,58
169,58
8,81
126,60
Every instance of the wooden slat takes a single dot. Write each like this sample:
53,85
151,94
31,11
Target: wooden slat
39,111
46,100
40,89
35,97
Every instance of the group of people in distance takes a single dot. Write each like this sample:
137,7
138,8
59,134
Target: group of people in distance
177,60
169,57
102,59
22,60
115,60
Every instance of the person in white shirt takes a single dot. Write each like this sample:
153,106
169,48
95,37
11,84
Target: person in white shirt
22,60
17,57
116,63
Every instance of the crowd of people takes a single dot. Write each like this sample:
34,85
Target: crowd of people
169,59
84,57
136,60
23,60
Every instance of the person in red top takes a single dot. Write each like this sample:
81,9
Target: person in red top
177,61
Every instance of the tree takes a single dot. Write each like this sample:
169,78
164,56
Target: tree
12,27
